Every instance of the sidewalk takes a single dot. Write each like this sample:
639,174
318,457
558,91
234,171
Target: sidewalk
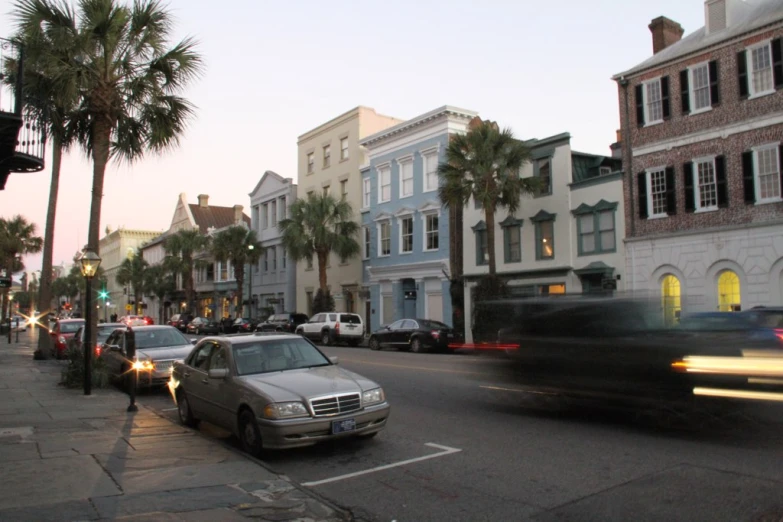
66,456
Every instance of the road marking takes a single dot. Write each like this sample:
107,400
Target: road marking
445,451
421,368
168,409
516,390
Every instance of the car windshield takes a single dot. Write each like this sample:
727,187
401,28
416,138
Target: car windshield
159,338
104,333
432,324
70,327
264,356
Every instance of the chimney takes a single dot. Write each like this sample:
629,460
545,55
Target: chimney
617,146
665,32
238,215
203,200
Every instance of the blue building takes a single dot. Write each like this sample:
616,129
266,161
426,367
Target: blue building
405,235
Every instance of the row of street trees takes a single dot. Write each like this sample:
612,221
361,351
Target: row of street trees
101,75
17,238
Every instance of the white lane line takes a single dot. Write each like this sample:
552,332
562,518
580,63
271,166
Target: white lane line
168,409
515,390
445,451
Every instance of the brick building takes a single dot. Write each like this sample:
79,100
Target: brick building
702,128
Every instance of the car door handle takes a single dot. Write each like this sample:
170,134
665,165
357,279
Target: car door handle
186,374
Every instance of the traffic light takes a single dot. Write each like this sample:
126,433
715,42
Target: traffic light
103,294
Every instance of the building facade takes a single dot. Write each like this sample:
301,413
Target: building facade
115,247
702,120
566,239
405,234
272,281
329,158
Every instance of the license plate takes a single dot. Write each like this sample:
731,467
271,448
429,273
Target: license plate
344,425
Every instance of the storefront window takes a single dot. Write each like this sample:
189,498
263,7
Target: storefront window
671,300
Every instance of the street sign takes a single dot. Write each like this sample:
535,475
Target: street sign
5,282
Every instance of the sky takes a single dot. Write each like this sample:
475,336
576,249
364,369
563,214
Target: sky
274,70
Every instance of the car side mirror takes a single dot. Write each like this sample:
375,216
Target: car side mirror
113,347
193,341
218,373
334,359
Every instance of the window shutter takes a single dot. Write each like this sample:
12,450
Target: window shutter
777,62
671,194
748,181
714,92
690,200
641,180
639,105
665,97
742,73
685,95
720,181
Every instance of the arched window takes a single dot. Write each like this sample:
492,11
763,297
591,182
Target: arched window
729,292
672,304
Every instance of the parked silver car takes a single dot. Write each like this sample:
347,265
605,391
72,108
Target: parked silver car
275,391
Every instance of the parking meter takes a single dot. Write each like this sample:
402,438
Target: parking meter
130,353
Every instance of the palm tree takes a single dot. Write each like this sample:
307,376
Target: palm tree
239,246
159,282
318,226
181,248
131,272
51,105
17,238
484,164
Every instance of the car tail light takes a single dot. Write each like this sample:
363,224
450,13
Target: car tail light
779,333
98,350
337,327
435,334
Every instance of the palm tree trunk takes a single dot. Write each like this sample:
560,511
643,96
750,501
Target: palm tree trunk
239,275
489,218
45,295
100,157
322,271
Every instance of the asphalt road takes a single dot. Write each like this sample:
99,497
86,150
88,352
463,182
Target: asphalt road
464,444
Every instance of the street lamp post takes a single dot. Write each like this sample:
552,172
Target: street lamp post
89,263
10,315
250,281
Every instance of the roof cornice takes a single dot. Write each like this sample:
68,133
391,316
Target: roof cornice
447,112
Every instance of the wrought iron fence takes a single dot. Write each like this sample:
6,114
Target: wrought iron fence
11,63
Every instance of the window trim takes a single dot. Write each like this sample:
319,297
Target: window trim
596,215
650,205
265,217
366,242
692,91
432,152
379,226
381,170
400,219
542,217
401,163
757,185
346,150
537,174
310,164
647,121
697,189
480,230
749,61
366,193
424,217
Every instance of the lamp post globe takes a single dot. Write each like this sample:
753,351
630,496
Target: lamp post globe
89,262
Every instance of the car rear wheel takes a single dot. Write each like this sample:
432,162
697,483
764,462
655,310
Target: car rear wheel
416,346
326,338
185,413
249,434
374,344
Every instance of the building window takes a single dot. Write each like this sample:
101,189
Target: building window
707,186
653,102
596,232
512,240
430,172
283,257
554,289
223,271
274,257
310,162
671,300
266,261
729,292
767,174
273,212
211,272
545,239
482,249
343,189
384,187
282,208
384,238
265,215
343,149
761,79
406,178
657,192
543,170
366,188
256,222
700,87
325,190
431,232
327,155
406,234
366,235
309,263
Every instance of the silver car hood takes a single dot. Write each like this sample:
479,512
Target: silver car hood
306,383
166,353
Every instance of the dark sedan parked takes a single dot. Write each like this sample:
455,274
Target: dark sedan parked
282,323
202,325
244,325
416,335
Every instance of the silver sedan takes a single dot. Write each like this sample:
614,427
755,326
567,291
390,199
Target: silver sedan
275,391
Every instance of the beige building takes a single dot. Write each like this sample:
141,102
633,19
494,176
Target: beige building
115,247
329,158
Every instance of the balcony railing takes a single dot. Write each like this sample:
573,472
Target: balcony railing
11,67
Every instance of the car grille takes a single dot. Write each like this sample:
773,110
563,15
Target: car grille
163,366
336,404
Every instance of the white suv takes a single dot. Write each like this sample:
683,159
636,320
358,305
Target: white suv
333,327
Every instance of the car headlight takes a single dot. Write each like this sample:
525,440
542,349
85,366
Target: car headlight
145,365
374,396
284,410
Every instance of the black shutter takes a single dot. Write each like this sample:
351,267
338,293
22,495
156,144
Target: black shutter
685,95
720,181
742,72
777,62
687,175
641,179
639,105
665,97
671,194
748,181
714,94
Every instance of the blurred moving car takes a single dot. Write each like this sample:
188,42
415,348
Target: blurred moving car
275,391
285,322
202,325
63,331
157,348
104,330
416,335
133,320
244,325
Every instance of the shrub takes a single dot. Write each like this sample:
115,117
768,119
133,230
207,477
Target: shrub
73,373
323,302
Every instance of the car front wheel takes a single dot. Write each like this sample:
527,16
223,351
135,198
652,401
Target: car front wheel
249,434
185,413
416,345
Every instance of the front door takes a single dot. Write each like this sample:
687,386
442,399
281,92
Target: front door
195,378
216,395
